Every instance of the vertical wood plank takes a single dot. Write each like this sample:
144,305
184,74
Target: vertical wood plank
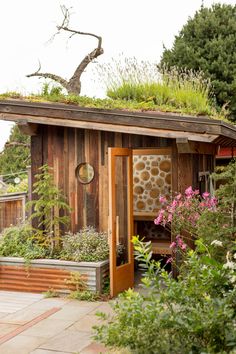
92,190
185,171
80,154
174,169
71,176
36,162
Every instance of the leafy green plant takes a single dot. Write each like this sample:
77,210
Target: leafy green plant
195,314
81,291
84,295
50,293
77,280
18,241
87,245
48,209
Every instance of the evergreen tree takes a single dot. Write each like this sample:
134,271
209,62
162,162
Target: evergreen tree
15,156
207,42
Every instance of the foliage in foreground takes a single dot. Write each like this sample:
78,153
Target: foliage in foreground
196,313
207,42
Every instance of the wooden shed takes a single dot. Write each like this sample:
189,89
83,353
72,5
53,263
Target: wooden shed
113,165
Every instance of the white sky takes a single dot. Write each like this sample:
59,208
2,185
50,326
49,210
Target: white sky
133,27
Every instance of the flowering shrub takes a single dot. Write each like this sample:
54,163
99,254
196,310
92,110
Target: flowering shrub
183,213
181,216
86,245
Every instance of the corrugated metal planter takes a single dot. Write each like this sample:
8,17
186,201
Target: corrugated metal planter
45,274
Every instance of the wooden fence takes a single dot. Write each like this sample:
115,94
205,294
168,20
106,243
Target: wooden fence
12,209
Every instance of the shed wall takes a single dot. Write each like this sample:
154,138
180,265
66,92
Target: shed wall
65,148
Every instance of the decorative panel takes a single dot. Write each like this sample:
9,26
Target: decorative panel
151,179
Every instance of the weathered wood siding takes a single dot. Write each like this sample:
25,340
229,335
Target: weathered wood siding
12,210
185,169
65,148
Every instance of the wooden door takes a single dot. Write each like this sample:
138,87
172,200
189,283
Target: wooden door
120,219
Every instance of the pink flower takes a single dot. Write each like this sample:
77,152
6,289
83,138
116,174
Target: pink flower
180,242
213,202
205,195
173,245
170,217
159,218
169,260
162,199
183,247
178,197
174,203
189,192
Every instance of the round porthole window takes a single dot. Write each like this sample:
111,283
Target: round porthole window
84,172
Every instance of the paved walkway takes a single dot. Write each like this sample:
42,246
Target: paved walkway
31,324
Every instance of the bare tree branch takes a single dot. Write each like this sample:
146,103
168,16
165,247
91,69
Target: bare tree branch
53,77
64,28
73,86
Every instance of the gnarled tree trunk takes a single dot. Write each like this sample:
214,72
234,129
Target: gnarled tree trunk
73,86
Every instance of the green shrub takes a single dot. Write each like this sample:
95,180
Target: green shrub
196,314
18,241
87,245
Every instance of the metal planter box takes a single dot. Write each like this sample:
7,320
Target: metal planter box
45,274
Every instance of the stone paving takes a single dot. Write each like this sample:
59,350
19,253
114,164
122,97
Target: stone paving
31,324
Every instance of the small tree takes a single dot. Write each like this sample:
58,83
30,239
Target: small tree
49,209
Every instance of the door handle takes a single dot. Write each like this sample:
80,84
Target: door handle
117,229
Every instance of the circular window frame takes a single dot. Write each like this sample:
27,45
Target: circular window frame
77,173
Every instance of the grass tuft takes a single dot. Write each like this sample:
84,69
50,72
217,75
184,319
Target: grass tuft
142,82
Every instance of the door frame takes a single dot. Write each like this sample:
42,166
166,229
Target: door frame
121,277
